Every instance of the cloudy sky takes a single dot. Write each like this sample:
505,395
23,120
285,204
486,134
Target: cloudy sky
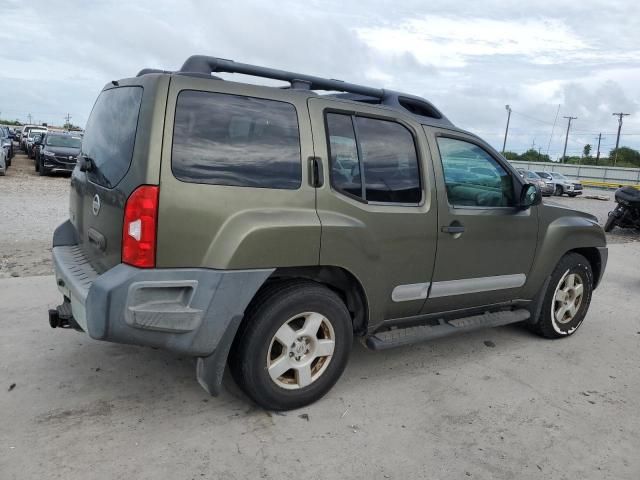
470,58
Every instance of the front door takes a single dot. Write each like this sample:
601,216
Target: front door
378,214
486,245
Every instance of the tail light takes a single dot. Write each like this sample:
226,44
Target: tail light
139,228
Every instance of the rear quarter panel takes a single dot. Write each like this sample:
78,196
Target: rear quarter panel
230,227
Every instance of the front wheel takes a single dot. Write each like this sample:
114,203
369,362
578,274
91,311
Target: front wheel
558,191
611,222
292,346
42,171
567,297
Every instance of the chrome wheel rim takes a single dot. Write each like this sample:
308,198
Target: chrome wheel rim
301,350
567,298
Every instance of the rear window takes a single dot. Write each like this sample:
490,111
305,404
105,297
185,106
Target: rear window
223,139
111,133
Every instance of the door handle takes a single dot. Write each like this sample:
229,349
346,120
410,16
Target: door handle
453,228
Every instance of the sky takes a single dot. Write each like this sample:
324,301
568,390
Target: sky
470,58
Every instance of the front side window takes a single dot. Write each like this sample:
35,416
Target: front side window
473,178
223,139
380,154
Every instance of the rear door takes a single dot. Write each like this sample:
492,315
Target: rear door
122,141
377,206
486,245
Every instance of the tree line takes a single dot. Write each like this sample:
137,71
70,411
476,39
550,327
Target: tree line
620,157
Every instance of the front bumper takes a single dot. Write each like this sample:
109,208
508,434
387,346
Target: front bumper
55,165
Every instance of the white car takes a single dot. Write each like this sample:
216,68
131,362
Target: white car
562,184
4,157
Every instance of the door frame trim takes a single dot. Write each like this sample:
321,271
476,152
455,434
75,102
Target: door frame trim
476,285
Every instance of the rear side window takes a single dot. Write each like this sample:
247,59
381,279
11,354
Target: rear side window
223,139
111,133
380,154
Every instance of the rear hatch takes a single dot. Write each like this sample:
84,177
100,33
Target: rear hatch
116,144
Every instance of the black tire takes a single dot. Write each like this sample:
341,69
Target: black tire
558,191
612,219
42,171
548,326
37,165
572,195
274,306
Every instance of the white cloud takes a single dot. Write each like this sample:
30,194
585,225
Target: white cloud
449,41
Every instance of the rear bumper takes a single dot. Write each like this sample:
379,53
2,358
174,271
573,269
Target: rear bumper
183,310
192,311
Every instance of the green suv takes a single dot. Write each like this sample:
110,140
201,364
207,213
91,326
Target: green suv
264,227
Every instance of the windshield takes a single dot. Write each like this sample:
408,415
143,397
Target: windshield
110,134
560,176
35,133
532,175
63,141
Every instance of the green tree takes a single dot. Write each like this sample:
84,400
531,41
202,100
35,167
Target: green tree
625,157
586,151
533,155
511,155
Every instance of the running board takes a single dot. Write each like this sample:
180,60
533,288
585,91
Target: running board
399,337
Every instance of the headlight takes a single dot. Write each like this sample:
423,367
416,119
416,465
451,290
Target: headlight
47,153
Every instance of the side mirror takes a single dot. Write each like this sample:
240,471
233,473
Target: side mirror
530,196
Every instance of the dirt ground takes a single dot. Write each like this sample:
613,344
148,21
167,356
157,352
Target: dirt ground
31,208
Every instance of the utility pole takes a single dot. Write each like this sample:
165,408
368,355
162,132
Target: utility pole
566,138
68,118
504,145
619,115
598,153
29,117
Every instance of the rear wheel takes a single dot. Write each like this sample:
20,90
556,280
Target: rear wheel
293,345
567,297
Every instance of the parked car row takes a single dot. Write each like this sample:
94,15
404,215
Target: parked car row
552,183
52,150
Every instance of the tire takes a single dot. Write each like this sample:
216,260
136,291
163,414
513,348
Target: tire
42,171
283,311
572,194
611,222
37,165
572,265
558,191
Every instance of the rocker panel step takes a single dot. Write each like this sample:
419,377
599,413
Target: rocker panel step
399,337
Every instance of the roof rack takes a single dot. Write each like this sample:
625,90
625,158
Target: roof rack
202,65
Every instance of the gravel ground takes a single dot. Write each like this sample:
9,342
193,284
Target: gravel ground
34,206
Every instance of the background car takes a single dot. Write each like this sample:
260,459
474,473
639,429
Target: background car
562,184
546,188
4,154
6,141
57,152
34,135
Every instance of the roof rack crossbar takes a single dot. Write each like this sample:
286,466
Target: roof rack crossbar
208,65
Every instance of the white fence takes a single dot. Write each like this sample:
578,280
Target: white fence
585,172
